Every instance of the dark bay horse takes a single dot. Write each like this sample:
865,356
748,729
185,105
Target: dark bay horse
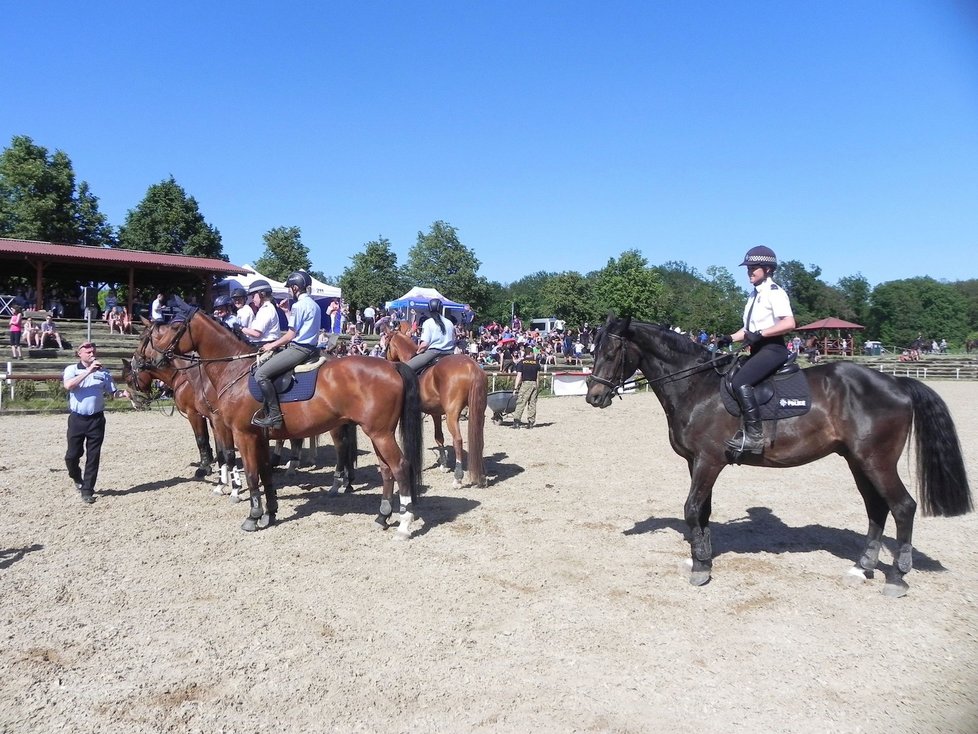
372,393
447,388
864,416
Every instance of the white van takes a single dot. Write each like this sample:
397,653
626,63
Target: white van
545,326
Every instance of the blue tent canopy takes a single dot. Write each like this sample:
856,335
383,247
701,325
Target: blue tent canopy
418,298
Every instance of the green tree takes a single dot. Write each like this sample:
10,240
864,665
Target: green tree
374,277
440,260
38,199
969,291
570,296
629,287
527,296
856,291
169,221
809,295
284,253
724,312
92,226
903,310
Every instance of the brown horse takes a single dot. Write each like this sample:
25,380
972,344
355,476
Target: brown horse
447,387
196,399
864,416
369,392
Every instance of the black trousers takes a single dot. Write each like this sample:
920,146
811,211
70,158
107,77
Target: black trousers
85,435
764,361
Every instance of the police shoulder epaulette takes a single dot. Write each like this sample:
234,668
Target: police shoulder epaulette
775,287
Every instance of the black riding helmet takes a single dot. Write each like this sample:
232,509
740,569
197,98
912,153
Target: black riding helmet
238,293
435,305
299,279
761,256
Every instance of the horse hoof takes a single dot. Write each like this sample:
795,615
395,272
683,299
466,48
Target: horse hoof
456,484
266,521
218,489
400,536
235,499
699,578
201,473
895,590
857,575
443,468
249,525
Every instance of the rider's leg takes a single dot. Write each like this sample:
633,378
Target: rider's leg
762,363
271,368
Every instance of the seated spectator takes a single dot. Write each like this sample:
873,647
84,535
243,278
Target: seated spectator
32,333
49,331
119,319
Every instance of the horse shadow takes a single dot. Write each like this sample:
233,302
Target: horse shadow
147,487
762,531
435,510
10,556
499,471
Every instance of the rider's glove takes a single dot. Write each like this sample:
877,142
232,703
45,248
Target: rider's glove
724,341
753,337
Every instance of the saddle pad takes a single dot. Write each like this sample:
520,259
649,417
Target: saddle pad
783,396
301,388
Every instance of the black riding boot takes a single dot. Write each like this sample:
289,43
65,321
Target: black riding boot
751,439
273,413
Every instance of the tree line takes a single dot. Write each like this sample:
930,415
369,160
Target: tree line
40,200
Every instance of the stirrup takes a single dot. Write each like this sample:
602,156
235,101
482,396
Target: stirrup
267,421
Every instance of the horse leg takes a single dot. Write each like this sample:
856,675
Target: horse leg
203,441
890,488
386,509
271,496
394,468
251,455
456,430
440,444
699,505
877,511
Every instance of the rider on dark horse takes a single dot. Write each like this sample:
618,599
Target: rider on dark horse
300,341
767,318
437,337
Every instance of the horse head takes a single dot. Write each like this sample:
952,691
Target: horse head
615,360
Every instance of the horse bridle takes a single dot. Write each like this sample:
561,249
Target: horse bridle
619,382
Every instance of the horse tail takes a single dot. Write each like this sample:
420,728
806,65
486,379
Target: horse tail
943,481
412,443
478,391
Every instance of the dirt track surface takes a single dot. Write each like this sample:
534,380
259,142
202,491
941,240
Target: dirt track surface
554,600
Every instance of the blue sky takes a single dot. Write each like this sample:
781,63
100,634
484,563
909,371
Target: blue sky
552,135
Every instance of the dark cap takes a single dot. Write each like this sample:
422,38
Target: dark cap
85,345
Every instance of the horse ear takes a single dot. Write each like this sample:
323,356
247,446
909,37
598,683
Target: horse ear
146,321
611,317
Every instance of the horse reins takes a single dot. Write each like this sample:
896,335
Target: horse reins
621,383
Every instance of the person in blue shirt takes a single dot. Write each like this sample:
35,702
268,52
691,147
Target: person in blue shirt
300,340
437,337
87,384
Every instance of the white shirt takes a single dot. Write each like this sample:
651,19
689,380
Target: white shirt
767,305
245,315
432,336
266,321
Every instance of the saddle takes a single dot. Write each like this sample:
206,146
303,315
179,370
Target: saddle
432,363
784,394
294,386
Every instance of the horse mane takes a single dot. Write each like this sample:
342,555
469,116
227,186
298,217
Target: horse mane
678,343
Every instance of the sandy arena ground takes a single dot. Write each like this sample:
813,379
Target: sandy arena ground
552,601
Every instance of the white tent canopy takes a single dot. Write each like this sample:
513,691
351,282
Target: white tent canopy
244,281
322,290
